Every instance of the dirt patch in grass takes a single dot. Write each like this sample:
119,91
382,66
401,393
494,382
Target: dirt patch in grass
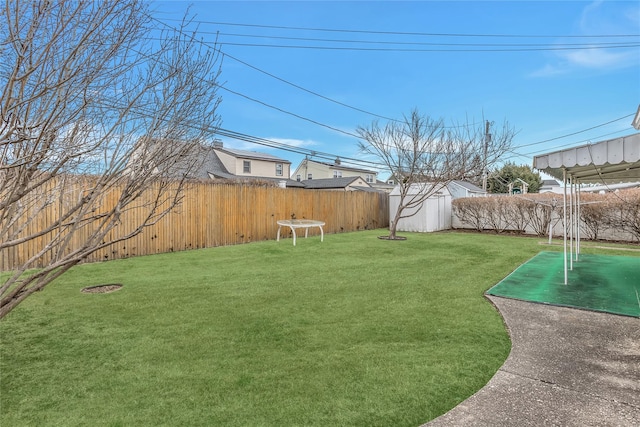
102,289
394,238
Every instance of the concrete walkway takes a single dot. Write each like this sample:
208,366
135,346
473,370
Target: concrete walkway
567,367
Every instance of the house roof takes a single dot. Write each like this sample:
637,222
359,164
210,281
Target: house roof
213,166
193,164
550,183
469,186
243,154
326,183
613,160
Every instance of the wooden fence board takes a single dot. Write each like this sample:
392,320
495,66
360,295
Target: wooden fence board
215,214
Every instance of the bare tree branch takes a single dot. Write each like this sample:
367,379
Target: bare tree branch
424,156
93,114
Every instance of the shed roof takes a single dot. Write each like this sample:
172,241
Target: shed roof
613,160
468,186
423,187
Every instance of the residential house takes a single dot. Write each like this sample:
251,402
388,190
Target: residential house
459,189
234,163
352,183
312,169
170,159
383,186
550,186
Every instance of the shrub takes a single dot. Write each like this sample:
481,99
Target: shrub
499,213
623,211
472,211
593,211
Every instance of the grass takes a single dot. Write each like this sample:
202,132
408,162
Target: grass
354,331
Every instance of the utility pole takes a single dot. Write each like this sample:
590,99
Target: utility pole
485,172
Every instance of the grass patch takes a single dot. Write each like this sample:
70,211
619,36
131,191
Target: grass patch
352,331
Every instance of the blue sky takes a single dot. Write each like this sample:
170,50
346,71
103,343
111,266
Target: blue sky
504,60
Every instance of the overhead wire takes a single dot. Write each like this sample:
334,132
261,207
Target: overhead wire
574,133
285,81
337,30
315,122
305,89
270,143
225,54
382,49
414,43
361,110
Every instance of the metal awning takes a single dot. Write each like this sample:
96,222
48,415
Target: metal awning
613,160
605,162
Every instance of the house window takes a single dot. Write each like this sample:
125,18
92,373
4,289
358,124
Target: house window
368,177
298,177
337,174
278,169
310,176
246,166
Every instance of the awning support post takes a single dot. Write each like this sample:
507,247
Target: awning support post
564,223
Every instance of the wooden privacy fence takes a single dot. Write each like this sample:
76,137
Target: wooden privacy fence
214,214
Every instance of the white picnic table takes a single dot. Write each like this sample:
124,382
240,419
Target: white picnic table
300,223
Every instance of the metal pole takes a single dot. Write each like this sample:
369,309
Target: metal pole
571,199
485,172
564,223
578,216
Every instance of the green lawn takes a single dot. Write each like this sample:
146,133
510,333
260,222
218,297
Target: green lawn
352,331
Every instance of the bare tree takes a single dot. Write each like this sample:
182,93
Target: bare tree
97,108
424,156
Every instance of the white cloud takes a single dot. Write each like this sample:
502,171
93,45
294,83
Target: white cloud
249,146
599,58
550,70
598,18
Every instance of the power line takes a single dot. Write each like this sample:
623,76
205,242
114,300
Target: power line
279,78
381,49
297,150
585,45
307,90
575,133
289,112
215,131
291,84
407,33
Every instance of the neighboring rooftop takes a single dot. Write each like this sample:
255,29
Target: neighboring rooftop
250,154
469,186
330,183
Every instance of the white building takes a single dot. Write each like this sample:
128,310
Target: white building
433,214
245,164
312,169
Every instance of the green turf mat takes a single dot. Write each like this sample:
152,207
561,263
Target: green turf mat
597,282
